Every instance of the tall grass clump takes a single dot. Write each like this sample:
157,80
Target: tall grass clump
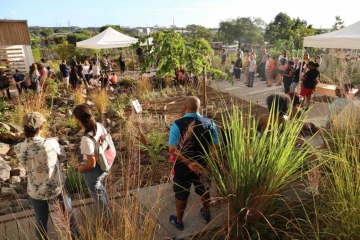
144,87
78,96
338,201
101,101
258,177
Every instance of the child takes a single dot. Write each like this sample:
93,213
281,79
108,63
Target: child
104,81
113,78
231,70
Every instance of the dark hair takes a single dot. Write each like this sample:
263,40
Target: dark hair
311,63
43,60
295,98
31,132
63,61
309,129
83,114
291,62
280,102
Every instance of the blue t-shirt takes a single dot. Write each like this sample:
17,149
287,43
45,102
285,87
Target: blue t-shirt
175,134
18,77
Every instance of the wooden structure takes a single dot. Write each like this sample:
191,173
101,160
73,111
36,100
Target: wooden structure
329,90
15,46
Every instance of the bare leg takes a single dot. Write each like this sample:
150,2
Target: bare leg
180,209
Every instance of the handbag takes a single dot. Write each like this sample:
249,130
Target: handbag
105,151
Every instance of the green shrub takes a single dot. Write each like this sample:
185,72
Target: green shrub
76,183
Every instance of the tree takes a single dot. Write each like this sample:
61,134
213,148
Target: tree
339,24
245,30
46,32
65,50
279,28
115,27
76,37
198,31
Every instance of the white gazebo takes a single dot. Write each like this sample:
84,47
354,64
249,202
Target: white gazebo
346,38
109,38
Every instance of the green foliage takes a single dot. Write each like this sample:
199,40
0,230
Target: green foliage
170,48
339,23
156,143
290,31
196,32
70,123
257,175
65,50
245,30
115,27
36,54
76,182
77,37
46,32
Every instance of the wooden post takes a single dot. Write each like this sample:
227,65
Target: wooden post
204,88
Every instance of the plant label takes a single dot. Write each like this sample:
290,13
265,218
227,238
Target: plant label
137,106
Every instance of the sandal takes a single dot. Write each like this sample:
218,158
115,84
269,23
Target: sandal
205,218
269,85
179,226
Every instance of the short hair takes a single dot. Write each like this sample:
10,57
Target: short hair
63,61
42,60
279,103
223,49
291,62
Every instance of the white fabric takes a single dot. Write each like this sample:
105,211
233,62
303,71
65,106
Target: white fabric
109,38
252,66
348,38
94,82
87,145
40,158
86,69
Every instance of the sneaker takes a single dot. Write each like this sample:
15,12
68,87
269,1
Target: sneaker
205,218
179,226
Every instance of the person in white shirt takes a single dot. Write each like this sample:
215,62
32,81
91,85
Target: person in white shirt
252,71
46,181
90,169
231,70
95,81
86,71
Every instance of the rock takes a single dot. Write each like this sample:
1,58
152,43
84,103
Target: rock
22,204
112,89
112,98
7,158
55,107
84,91
4,148
64,141
18,171
6,190
5,127
69,113
14,180
84,96
11,152
59,115
108,121
11,138
80,133
89,103
4,170
5,207
15,128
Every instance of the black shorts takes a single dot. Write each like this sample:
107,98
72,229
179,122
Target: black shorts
182,188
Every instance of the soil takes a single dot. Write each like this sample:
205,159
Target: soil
137,163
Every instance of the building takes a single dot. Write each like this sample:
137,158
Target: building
15,46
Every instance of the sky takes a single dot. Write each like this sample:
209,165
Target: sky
135,13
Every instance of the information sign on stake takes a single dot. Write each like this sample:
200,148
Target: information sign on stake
137,106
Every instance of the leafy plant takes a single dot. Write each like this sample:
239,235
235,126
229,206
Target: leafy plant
70,123
3,108
156,142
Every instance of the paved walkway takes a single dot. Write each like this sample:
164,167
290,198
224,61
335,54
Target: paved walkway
257,95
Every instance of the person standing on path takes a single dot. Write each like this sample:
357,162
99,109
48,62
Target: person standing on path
237,67
252,71
46,181
280,68
223,60
288,76
200,136
309,82
262,65
91,171
65,74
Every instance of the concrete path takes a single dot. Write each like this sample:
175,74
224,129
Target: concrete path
162,197
257,95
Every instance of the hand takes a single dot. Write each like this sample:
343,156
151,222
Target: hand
80,168
195,167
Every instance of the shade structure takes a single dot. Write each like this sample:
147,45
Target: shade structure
346,38
109,38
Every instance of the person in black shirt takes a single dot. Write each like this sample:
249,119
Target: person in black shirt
309,83
237,67
287,76
73,62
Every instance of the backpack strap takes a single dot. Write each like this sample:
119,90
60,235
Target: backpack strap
97,145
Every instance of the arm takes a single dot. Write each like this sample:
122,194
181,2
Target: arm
91,164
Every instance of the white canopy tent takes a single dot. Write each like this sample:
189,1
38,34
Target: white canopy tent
109,38
346,38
